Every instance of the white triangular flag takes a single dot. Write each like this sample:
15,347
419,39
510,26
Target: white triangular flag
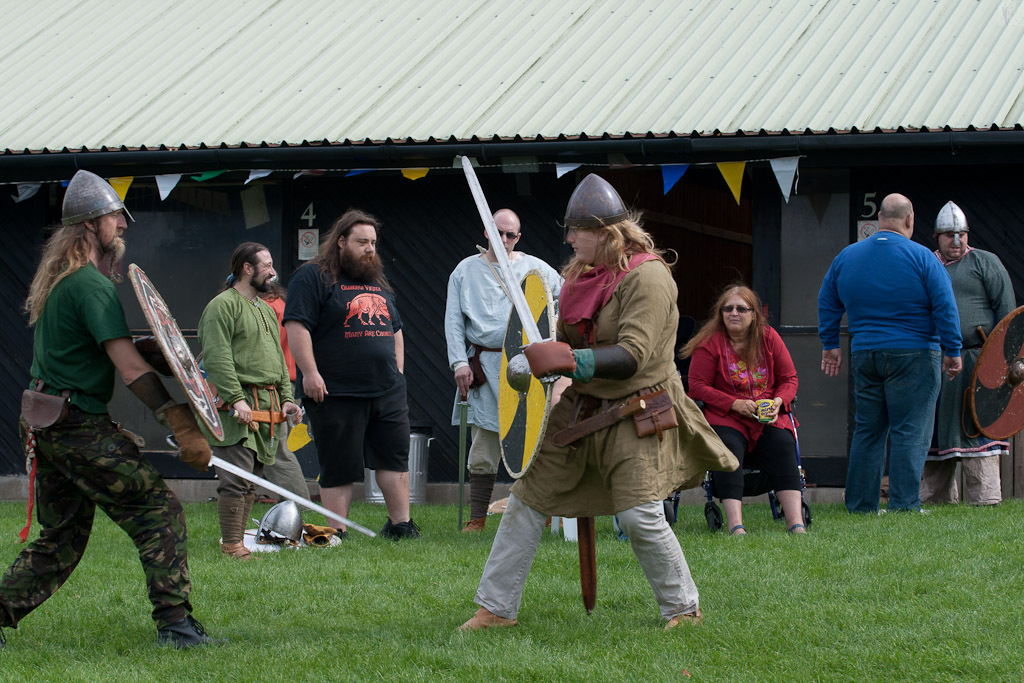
166,183
255,174
562,169
785,172
25,190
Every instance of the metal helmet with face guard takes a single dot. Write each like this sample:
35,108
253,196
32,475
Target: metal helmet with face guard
593,204
951,218
284,520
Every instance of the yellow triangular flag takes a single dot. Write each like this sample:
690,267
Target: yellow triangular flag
732,171
121,185
414,173
298,437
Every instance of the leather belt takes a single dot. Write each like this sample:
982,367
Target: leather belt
598,422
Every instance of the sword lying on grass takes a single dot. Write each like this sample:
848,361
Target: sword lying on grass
285,493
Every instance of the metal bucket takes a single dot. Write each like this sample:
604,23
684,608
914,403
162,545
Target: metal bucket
419,448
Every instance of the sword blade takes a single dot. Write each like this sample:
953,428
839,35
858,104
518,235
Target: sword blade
249,476
498,247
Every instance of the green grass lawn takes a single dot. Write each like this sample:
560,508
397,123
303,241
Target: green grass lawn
898,597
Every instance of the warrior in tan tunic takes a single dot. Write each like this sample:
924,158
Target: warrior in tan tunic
618,315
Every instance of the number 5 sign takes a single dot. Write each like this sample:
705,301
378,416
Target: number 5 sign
309,242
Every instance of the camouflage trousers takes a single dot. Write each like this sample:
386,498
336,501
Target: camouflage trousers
84,462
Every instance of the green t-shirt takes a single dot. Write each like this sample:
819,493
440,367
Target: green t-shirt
81,313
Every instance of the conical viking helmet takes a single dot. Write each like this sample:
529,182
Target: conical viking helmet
284,519
594,203
89,196
951,218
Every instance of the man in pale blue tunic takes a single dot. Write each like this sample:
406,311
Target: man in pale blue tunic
984,296
474,326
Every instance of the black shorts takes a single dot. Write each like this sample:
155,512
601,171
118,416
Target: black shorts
353,432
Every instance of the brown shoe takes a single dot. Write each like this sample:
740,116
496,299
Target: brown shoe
689,618
235,550
484,618
475,524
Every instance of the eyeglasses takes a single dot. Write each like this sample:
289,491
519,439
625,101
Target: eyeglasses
739,309
508,235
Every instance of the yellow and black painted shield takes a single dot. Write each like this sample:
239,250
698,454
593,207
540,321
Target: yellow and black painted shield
523,416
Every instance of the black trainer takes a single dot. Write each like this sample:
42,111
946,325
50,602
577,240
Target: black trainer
399,531
185,633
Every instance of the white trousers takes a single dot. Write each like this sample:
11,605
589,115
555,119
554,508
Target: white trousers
655,545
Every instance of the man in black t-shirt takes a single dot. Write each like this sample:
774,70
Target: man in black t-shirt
346,335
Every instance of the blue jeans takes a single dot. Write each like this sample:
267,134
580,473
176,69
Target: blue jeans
895,392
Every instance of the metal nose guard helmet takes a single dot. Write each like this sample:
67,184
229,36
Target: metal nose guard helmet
284,519
594,203
951,218
89,196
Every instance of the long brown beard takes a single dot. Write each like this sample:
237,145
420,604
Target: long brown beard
364,269
110,264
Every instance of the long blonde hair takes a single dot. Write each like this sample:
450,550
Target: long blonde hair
625,238
65,252
715,323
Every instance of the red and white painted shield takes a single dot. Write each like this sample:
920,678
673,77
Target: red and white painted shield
179,356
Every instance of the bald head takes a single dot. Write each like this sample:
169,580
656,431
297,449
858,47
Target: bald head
896,214
508,226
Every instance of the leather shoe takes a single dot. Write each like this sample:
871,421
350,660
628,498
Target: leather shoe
484,618
475,524
688,618
235,550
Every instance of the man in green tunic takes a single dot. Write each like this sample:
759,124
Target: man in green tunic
243,360
984,296
82,459
617,311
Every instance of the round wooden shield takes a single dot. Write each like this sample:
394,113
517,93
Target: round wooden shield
176,351
996,393
523,416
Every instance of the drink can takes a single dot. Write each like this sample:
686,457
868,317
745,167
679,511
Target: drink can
764,410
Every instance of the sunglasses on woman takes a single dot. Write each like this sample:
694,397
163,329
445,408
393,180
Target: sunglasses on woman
739,309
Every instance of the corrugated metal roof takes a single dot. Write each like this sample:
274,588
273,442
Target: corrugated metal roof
94,74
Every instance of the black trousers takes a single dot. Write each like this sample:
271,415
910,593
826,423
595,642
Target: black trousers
774,454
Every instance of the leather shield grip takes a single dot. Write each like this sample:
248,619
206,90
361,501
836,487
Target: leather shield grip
195,450
550,358
149,349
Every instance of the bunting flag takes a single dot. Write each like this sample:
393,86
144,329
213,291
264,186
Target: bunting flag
25,191
671,174
820,202
618,160
562,169
308,171
414,173
207,175
255,174
166,183
785,173
121,185
732,171
358,171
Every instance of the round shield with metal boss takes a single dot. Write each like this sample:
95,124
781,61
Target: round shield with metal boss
175,349
524,402
996,393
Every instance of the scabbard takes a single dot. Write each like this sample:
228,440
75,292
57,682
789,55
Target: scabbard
588,561
596,423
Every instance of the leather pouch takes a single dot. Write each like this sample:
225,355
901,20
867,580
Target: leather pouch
479,378
43,410
657,415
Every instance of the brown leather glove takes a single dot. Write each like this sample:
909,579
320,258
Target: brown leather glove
550,358
149,349
195,450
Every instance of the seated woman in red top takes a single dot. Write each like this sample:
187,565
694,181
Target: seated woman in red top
737,359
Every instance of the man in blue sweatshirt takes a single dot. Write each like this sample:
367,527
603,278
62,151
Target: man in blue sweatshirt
902,318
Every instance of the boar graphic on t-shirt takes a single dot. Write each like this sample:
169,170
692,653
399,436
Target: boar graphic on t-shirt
367,307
